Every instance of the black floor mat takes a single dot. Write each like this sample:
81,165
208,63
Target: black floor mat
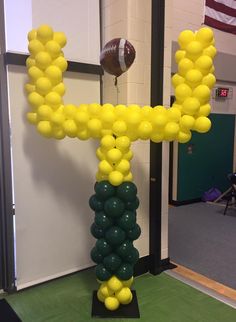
7,314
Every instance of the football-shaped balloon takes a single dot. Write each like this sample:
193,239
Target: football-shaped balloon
117,56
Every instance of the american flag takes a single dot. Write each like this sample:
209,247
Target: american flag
221,14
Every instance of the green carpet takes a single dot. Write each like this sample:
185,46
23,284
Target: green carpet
161,299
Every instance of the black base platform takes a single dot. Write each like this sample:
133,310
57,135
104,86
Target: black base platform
124,311
7,314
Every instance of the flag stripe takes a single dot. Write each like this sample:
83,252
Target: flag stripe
220,16
228,3
221,7
219,25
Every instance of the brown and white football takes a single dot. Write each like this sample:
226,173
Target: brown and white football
117,56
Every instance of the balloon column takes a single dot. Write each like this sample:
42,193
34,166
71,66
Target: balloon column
115,200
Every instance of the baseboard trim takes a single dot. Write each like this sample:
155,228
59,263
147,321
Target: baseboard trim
184,202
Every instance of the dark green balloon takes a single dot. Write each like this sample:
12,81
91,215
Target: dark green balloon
127,220
115,235
112,262
96,231
114,207
104,190
127,191
132,205
124,249
133,256
95,203
96,256
103,247
102,273
134,233
125,271
102,220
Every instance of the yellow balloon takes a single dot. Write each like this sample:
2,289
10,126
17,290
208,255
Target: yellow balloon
54,74
182,91
157,137
81,117
108,142
202,93
111,303
35,99
210,51
58,133
32,118
105,167
133,118
83,134
128,156
32,34
128,177
119,127
53,48
94,127
120,111
205,36
100,297
204,64
204,110
185,37
115,178
60,89
35,46
57,118
108,117
70,128
100,155
43,85
191,106
202,124
209,80
61,62
194,49
44,33
60,38
184,137
184,66
70,111
173,114
53,99
187,122
177,80
159,119
128,282
114,155
105,291
124,296
171,130
114,284
30,62
193,77
94,109
123,166
45,112
179,54
35,73
123,143
144,130
45,128
43,59
29,88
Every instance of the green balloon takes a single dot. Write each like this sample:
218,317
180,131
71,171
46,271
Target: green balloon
127,191
114,207
102,273
125,271
96,231
95,204
124,249
96,256
134,233
127,220
104,190
115,235
102,220
132,205
103,247
133,256
112,262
